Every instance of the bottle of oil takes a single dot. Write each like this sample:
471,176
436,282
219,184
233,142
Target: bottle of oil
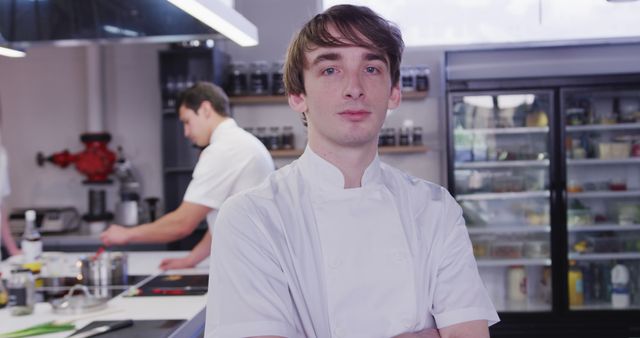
31,240
576,289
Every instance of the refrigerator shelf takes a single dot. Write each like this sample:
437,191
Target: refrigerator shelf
604,194
602,306
496,131
509,229
604,256
487,262
597,161
603,127
604,227
503,164
527,306
503,195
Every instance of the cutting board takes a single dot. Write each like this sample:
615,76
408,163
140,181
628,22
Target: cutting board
139,329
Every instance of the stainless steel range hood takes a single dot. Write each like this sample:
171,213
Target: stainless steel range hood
72,22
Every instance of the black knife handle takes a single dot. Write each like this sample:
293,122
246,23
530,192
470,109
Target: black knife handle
120,325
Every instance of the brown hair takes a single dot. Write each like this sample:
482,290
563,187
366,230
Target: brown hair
359,25
193,97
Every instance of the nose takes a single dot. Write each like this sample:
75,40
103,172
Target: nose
186,131
353,87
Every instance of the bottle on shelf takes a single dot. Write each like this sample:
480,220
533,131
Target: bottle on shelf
576,288
31,240
4,294
407,79
620,297
275,139
517,284
416,139
406,133
170,92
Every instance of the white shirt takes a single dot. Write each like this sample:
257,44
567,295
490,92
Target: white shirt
300,256
233,161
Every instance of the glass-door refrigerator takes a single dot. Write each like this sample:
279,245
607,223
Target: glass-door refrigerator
500,173
602,151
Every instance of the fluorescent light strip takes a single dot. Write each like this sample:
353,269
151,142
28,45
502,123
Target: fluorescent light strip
222,18
12,53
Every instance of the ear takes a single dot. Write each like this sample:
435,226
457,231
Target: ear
298,102
206,109
395,97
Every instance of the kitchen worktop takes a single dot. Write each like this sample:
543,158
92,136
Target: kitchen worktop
189,308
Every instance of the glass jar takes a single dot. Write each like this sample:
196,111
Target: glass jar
237,81
422,78
261,134
407,79
277,78
22,292
259,78
417,136
287,138
275,139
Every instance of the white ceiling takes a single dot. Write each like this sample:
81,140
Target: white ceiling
462,22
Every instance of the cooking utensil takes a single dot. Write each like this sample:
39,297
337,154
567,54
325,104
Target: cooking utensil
78,303
103,329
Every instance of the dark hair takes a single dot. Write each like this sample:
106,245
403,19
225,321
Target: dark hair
193,97
358,25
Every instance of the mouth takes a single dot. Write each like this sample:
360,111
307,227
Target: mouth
355,115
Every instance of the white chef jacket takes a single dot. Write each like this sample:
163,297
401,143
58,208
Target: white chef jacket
233,161
300,256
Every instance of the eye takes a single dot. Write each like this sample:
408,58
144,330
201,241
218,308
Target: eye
329,71
371,70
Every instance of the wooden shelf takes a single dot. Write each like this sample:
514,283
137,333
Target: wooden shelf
381,150
286,153
266,99
402,149
279,99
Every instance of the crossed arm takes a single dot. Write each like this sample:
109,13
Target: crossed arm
470,329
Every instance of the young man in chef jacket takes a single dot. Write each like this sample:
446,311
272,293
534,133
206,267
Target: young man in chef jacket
7,242
232,160
338,244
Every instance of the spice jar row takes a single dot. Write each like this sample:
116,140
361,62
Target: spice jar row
405,136
173,85
274,138
255,78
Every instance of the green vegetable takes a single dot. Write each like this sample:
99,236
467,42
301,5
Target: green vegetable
45,328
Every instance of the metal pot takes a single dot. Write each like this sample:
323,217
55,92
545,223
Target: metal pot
108,269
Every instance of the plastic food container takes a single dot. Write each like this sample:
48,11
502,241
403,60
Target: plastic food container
510,249
614,150
579,217
536,249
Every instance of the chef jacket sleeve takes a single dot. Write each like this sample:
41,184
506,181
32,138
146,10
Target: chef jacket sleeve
214,176
248,293
460,295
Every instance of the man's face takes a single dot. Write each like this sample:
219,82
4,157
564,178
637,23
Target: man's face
348,91
195,126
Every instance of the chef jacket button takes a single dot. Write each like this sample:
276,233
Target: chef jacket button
339,332
407,324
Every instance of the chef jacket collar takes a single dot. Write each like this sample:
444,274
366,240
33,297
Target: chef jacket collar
321,172
227,124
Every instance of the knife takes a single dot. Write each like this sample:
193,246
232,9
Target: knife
103,329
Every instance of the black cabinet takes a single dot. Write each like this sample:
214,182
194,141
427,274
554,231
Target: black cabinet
179,69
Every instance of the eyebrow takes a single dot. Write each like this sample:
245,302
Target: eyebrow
336,56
